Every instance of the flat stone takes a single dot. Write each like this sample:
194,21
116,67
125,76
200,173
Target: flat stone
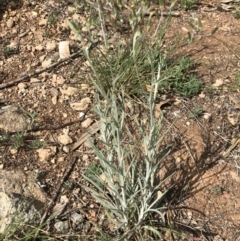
64,50
50,46
65,139
62,226
10,23
14,119
45,154
82,105
42,22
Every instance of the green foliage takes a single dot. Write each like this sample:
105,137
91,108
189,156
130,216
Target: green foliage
36,144
217,190
52,17
187,88
208,89
18,139
236,14
181,77
4,139
189,4
131,71
93,168
128,186
196,112
8,51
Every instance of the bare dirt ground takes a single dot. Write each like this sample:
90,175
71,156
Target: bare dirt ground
210,184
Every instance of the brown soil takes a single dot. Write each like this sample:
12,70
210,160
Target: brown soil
210,184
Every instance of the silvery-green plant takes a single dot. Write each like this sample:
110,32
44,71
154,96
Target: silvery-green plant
130,188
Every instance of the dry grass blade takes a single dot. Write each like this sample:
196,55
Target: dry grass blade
84,137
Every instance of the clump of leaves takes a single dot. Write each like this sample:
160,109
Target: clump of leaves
181,77
130,70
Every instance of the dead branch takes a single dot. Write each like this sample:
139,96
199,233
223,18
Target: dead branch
57,193
26,77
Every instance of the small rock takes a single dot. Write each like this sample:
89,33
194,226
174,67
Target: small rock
14,119
46,154
207,116
13,151
46,63
85,29
71,9
66,130
66,149
218,82
54,91
39,47
54,100
42,22
34,13
39,36
58,79
232,119
69,91
50,46
65,139
202,95
85,157
61,159
21,92
77,218
81,114
34,80
53,161
84,86
82,105
64,199
21,86
36,85
62,226
10,23
64,50
87,123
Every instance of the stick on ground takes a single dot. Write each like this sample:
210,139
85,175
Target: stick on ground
55,197
26,77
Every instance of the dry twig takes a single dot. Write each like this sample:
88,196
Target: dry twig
92,130
54,199
26,77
